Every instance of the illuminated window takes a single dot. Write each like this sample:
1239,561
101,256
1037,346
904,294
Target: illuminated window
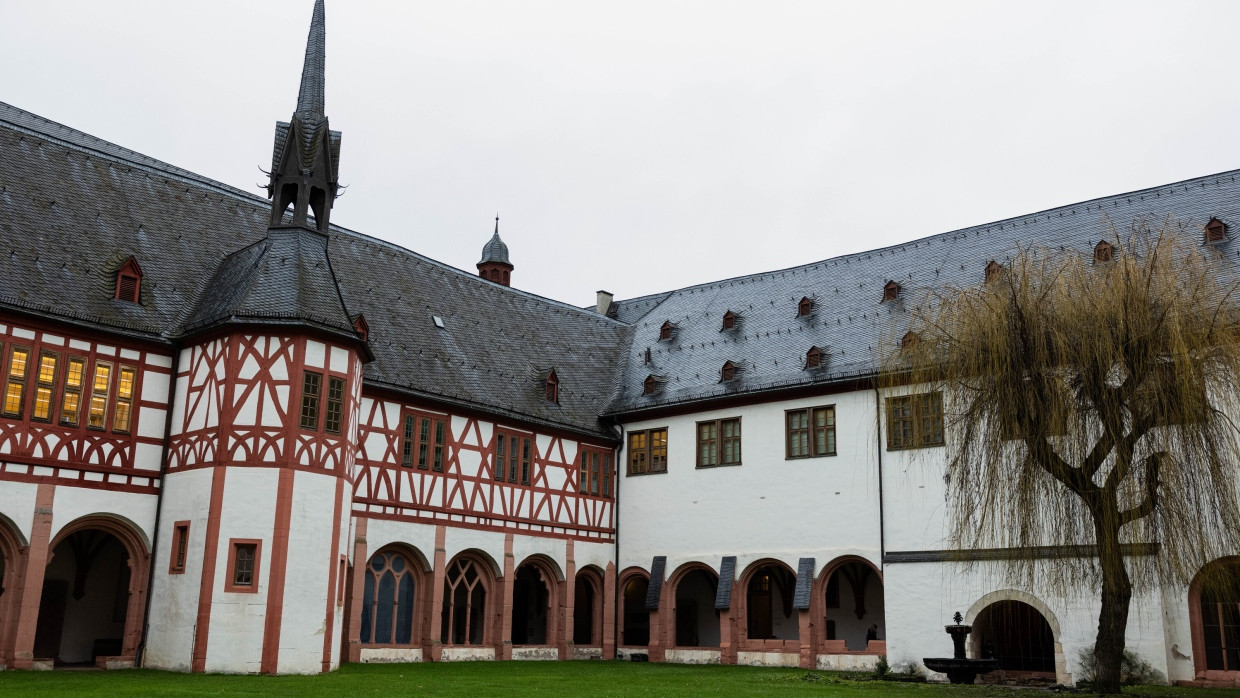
45,386
648,451
71,402
100,386
123,414
15,385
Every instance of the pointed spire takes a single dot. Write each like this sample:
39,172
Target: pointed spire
495,265
310,97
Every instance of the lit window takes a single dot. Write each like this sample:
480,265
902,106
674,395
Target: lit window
311,386
810,432
123,413
648,451
915,421
71,402
45,385
719,443
15,385
100,386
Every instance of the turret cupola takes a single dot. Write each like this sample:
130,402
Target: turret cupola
494,265
306,156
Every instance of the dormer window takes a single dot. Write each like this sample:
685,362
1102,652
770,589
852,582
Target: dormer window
1104,251
667,331
910,340
891,291
551,388
994,270
1216,231
361,327
728,372
813,357
650,386
729,321
129,282
805,307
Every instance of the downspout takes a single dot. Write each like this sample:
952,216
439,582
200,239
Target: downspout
159,509
878,443
617,592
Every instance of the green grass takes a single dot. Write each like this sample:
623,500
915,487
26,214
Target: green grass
512,679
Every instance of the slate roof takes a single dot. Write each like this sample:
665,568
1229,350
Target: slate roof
74,207
850,323
495,250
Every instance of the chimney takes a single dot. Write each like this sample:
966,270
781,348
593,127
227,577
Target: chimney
604,302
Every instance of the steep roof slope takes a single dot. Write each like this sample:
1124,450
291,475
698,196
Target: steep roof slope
850,321
73,208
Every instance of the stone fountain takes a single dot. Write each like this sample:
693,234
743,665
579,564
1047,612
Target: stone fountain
960,669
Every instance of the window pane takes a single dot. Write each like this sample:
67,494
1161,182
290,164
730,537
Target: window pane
525,461
124,386
368,602
42,403
13,399
513,453
310,400
406,445
607,475
103,376
386,599
47,368
499,456
77,370
438,464
98,406
424,437
120,418
335,405
404,610
658,450
69,408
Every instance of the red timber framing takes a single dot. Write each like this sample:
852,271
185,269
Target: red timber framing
242,409
475,490
72,407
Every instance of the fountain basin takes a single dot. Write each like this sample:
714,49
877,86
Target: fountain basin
961,670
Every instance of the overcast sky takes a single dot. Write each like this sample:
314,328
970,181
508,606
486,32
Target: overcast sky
644,146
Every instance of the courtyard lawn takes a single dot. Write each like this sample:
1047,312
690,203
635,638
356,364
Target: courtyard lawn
511,679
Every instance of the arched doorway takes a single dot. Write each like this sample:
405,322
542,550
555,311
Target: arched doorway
533,597
392,589
853,604
94,591
696,620
588,608
635,619
467,589
769,587
11,545
1017,635
1214,615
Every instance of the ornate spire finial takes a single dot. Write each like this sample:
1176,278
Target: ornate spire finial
310,97
497,224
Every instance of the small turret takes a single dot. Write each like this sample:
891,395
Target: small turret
494,265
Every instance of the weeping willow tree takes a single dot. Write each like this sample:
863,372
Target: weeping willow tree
1091,402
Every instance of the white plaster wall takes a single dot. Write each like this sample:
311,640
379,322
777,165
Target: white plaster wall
1178,638
174,597
766,507
598,554
235,639
311,563
72,503
848,627
17,505
457,540
555,548
383,532
921,598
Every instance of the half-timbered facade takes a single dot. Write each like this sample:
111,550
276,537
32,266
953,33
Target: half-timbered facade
236,437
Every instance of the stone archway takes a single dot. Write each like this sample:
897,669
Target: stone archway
1214,619
695,622
394,598
1023,632
94,593
765,596
631,614
535,597
850,601
588,608
468,595
12,564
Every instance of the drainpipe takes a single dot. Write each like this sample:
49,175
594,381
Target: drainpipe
878,442
140,654
617,592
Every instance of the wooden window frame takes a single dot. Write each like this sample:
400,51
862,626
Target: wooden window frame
718,442
49,385
667,331
128,282
179,553
230,578
520,450
805,307
891,291
19,382
119,402
333,407
729,321
650,386
813,358
652,458
811,432
551,388
68,390
310,400
727,374
104,397
1215,231
917,413
594,471
408,426
421,445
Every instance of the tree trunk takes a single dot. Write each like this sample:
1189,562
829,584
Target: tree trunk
1116,596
